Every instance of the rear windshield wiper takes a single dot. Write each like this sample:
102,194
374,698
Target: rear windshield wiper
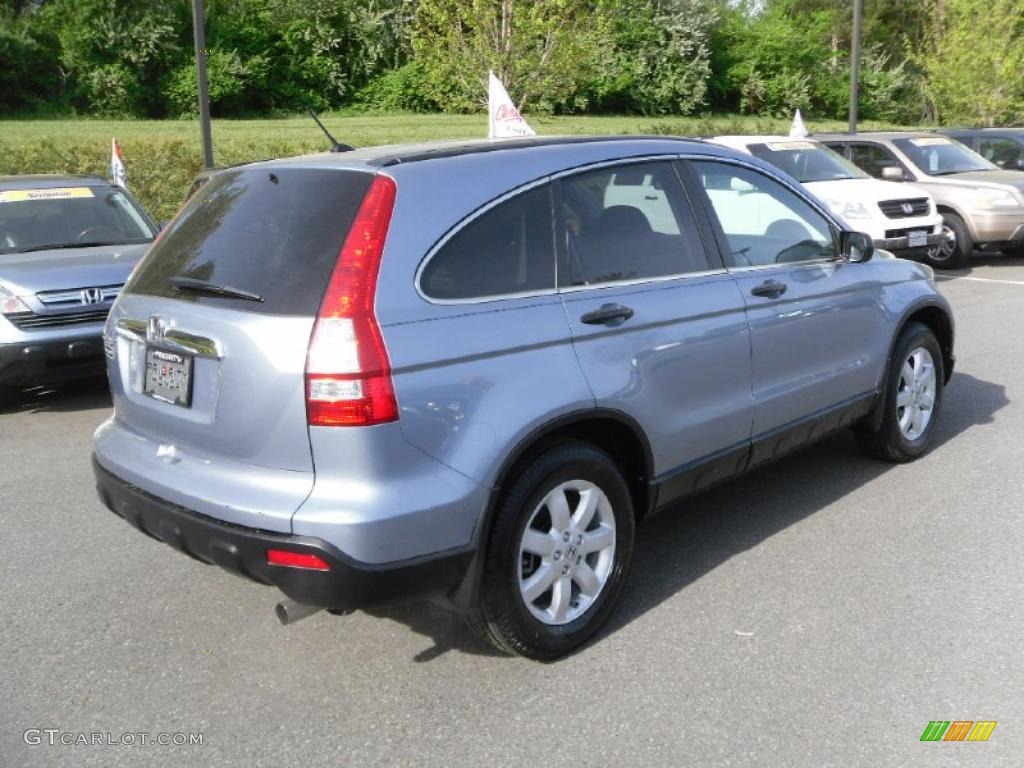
57,246
183,283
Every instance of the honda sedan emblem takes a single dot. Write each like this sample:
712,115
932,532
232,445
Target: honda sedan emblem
92,295
155,328
908,208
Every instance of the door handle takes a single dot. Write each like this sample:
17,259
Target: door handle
606,313
770,288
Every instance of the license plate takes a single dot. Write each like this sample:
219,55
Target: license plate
917,239
169,376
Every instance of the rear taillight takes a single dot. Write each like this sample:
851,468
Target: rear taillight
348,375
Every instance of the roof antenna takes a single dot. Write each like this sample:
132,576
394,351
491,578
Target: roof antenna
336,146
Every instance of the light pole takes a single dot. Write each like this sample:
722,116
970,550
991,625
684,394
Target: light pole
199,33
855,64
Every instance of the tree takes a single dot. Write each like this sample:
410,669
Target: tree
973,61
114,52
543,50
660,60
28,74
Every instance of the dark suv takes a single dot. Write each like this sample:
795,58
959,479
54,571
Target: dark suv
1002,146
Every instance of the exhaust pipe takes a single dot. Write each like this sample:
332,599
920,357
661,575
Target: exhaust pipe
288,611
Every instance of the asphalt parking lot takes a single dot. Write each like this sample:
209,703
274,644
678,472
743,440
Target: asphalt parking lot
819,612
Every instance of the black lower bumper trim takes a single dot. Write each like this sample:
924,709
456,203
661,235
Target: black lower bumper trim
348,584
900,246
43,362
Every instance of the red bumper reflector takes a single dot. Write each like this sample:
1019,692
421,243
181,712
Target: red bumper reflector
297,560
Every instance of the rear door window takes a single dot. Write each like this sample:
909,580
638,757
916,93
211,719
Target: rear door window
626,223
506,250
272,232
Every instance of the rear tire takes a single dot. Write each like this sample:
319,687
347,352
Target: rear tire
912,399
957,245
558,553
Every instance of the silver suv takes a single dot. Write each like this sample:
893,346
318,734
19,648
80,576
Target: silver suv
465,371
67,244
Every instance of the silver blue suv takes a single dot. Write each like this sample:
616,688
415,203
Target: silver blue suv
464,372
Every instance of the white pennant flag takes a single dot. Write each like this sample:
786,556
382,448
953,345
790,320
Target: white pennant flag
798,130
503,119
117,172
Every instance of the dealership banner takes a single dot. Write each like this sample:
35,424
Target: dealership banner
117,171
503,119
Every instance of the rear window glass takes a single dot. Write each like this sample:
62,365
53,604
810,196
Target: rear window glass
274,232
507,250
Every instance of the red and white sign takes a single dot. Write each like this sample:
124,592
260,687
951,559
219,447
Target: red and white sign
503,119
117,172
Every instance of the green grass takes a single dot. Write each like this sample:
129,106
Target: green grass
162,156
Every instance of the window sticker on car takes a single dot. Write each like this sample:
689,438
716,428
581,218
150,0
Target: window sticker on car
58,193
782,146
931,141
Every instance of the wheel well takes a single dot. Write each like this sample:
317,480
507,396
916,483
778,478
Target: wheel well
614,436
939,323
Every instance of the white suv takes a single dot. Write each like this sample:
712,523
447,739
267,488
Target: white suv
900,218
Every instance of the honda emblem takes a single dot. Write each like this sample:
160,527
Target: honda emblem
92,295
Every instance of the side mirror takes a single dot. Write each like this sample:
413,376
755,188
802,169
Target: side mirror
856,247
893,173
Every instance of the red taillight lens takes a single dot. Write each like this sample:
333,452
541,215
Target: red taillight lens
348,374
297,560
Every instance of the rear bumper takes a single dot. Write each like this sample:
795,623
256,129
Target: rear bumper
36,362
349,584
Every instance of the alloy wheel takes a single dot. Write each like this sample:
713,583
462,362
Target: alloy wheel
567,552
915,395
946,248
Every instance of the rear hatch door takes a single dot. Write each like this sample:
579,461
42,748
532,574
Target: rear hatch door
209,341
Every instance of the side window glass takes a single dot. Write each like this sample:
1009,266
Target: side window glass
1006,153
764,222
506,250
628,223
872,159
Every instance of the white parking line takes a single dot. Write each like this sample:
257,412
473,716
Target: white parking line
980,279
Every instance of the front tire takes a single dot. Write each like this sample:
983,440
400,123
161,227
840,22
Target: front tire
558,553
912,401
956,247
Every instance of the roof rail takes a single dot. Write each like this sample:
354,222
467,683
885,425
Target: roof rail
416,155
